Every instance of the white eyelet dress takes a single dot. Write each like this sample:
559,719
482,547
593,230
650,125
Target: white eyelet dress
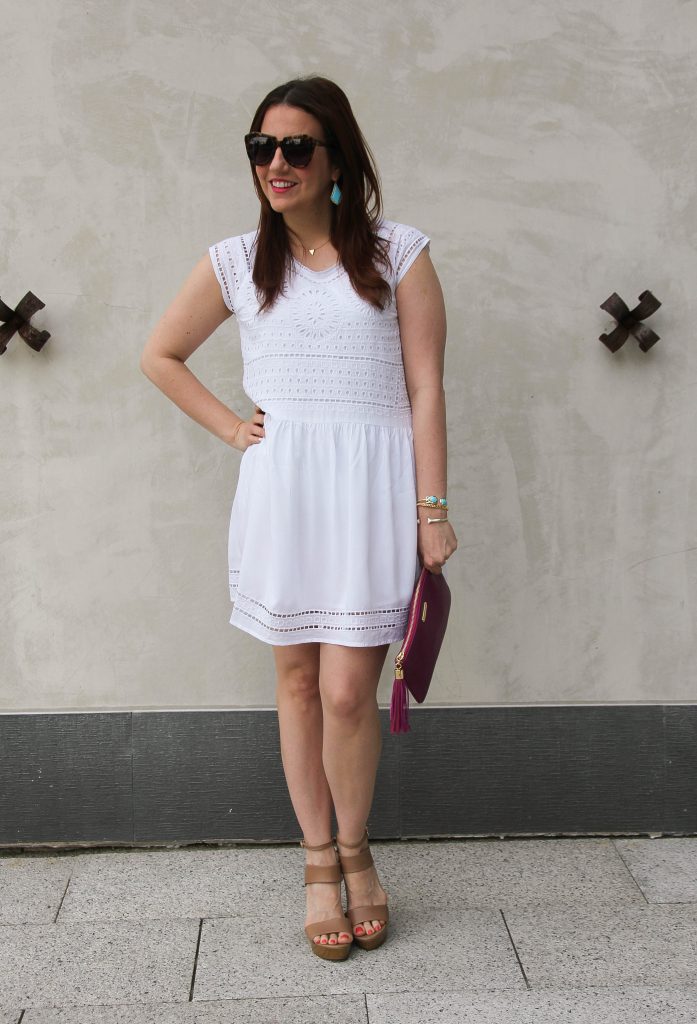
322,540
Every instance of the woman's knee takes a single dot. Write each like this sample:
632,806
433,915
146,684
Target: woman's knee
347,699
298,676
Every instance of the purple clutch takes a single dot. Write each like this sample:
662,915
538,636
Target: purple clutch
415,662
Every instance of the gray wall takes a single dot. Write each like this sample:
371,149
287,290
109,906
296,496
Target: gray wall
549,150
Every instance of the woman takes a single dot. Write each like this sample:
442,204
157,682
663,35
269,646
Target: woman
342,324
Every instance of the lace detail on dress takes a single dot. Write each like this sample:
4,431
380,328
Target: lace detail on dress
405,245
320,344
221,275
248,261
409,254
363,621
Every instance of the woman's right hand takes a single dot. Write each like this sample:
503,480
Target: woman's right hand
249,432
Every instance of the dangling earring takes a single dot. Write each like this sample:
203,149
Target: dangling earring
336,195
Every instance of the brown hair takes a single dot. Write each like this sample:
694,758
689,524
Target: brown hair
354,221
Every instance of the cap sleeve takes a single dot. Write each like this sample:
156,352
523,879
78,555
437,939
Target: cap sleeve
222,256
405,245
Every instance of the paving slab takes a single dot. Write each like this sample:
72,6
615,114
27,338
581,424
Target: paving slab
633,1005
494,873
32,887
149,884
97,962
426,950
664,868
310,1010
575,947
199,882
9,1016
184,883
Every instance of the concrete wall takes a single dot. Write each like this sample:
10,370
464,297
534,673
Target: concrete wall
548,147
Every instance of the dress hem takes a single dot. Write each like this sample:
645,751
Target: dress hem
317,635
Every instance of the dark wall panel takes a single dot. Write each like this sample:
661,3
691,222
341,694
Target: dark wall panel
66,777
149,778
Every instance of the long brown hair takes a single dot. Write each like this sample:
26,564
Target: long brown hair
354,220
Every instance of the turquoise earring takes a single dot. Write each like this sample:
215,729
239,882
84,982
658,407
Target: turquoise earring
336,195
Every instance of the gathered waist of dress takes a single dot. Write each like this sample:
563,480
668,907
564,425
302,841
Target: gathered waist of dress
336,412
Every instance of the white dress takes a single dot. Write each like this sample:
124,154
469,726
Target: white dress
322,540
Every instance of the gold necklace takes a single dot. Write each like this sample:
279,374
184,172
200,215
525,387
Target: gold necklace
313,251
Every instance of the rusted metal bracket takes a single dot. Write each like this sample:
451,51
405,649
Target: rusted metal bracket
18,320
628,321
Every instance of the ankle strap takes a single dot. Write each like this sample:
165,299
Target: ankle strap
323,846
353,846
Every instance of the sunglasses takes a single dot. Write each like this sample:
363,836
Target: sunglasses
297,149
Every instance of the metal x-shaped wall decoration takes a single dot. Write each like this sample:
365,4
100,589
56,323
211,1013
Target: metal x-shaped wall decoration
628,321
18,320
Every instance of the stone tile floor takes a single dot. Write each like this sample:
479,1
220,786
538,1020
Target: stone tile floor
573,930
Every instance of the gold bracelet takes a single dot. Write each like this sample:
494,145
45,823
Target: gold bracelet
428,518
433,502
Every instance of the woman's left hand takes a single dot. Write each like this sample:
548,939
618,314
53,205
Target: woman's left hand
436,542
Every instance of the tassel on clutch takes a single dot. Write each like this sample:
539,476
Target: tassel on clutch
416,660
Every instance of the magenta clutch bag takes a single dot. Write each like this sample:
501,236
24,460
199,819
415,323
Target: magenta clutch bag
415,662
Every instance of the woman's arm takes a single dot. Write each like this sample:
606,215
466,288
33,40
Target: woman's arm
422,327
190,319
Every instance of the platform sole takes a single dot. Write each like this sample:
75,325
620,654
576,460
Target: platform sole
340,951
371,941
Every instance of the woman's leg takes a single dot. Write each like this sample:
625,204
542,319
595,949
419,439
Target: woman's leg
300,726
348,681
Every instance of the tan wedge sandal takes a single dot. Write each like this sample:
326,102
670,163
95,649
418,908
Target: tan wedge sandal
379,912
330,873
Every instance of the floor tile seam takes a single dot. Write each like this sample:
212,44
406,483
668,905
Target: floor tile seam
639,906
504,990
629,992
515,948
176,1003
679,986
195,964
628,989
60,905
110,1006
507,989
451,909
629,870
531,990
136,921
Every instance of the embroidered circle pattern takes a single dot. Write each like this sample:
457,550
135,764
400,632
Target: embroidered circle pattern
317,317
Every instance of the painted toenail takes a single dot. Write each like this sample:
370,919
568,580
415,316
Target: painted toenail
359,931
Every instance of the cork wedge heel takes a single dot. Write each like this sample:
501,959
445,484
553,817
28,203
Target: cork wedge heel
331,873
375,912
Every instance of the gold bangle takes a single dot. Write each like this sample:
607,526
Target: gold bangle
433,502
428,518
